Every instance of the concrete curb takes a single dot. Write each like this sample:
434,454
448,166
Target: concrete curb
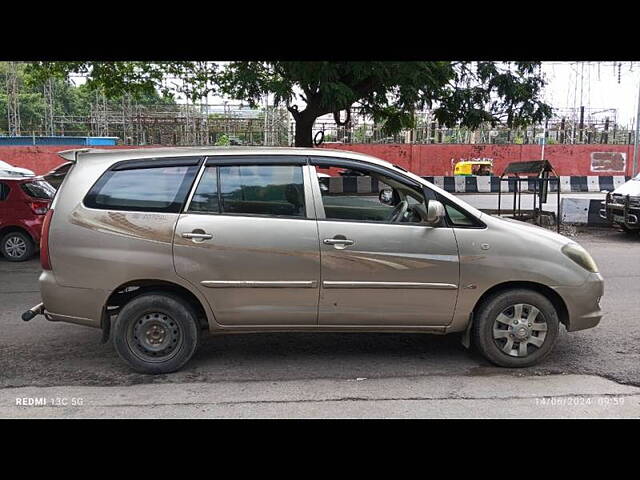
568,184
454,396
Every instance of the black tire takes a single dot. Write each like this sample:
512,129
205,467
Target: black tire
156,312
10,242
485,320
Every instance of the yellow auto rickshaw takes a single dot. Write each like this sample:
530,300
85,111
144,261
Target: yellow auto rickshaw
473,167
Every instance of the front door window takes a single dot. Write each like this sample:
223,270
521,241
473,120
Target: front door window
366,196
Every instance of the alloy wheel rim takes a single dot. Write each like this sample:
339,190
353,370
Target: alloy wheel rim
155,337
520,330
15,247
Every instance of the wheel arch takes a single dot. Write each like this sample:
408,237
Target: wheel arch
126,292
553,296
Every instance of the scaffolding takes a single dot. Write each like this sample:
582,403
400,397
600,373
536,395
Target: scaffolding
13,100
269,125
48,107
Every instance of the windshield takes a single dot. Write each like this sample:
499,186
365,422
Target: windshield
5,164
39,189
637,177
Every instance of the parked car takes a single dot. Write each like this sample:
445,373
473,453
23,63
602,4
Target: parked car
622,206
56,175
158,246
23,205
7,169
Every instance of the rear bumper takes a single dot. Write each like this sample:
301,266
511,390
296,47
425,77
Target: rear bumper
82,306
583,303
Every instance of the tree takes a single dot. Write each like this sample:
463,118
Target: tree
68,99
461,93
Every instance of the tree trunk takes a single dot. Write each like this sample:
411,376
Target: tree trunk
304,131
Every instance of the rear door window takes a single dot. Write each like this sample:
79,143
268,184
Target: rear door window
205,198
276,190
147,189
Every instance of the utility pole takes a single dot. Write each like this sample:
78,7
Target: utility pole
635,140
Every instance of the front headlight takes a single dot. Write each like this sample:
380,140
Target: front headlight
579,255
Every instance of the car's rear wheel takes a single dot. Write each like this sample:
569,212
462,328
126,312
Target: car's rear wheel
515,328
156,333
17,246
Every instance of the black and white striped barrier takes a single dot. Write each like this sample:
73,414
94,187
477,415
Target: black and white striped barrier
568,184
460,184
582,211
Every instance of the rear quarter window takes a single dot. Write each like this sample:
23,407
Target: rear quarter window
148,189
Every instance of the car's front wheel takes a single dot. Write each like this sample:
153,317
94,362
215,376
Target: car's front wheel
156,333
17,246
515,328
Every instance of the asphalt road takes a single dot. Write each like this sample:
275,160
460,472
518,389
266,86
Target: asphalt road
70,359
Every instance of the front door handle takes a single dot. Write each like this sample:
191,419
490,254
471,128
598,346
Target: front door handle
197,235
339,242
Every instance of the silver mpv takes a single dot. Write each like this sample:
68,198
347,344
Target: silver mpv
156,246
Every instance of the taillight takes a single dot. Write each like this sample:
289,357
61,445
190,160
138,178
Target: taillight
39,208
45,261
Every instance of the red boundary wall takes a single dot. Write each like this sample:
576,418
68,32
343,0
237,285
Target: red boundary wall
427,160
424,160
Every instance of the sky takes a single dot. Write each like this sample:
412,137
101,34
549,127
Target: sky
596,83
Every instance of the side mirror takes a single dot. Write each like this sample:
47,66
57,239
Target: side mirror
435,212
386,196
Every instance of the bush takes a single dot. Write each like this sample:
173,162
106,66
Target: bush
223,141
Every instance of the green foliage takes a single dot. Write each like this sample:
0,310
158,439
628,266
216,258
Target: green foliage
465,94
223,141
359,135
69,99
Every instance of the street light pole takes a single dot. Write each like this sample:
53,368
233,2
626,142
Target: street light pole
635,140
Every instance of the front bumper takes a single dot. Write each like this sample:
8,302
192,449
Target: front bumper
583,303
621,211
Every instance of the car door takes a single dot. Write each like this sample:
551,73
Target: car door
375,272
248,240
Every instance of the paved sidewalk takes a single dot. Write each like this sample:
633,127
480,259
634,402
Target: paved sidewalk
436,396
